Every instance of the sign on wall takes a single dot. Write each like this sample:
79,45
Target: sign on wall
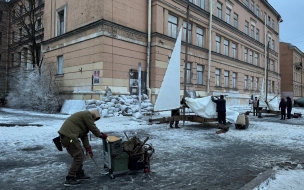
96,77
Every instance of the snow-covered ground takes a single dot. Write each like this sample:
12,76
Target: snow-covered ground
268,130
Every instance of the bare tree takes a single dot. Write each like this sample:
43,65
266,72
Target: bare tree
25,33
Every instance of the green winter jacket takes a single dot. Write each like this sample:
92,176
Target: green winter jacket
79,124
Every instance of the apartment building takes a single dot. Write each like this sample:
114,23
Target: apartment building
292,74
24,33
96,45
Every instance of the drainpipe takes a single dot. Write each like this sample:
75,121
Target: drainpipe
210,38
265,61
149,51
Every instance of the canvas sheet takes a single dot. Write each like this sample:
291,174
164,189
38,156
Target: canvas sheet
204,107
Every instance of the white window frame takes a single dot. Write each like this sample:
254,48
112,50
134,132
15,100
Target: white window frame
256,59
189,73
257,37
199,37
217,77
256,83
58,24
226,47
251,83
200,74
226,79
246,27
60,62
228,14
218,44
189,31
250,57
234,80
236,20
219,10
172,26
245,54
234,50
245,82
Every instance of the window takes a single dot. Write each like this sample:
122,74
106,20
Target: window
189,31
250,57
217,77
234,50
252,6
199,37
201,3
257,11
226,47
234,80
273,85
272,44
20,33
226,79
245,54
189,73
228,13
252,31
246,27
60,65
219,10
272,23
269,19
61,21
218,44
256,59
235,18
200,74
257,35
251,83
172,26
245,82
247,3
257,84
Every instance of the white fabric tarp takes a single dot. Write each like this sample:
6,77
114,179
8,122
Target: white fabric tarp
204,107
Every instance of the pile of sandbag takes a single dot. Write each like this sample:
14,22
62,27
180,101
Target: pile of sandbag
126,105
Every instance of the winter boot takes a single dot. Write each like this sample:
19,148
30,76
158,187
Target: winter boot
71,181
171,125
81,176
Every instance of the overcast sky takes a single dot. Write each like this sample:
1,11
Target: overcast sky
292,27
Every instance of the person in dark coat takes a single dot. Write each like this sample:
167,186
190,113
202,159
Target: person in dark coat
220,109
175,112
75,127
282,107
289,107
255,105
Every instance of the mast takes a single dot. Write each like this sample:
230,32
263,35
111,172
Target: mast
266,79
186,61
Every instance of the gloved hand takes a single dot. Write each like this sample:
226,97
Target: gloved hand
103,136
89,151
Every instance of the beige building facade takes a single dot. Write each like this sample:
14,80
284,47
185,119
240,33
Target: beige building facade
96,45
292,74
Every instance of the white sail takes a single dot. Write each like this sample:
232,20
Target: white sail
169,94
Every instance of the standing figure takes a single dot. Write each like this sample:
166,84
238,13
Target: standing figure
289,107
220,109
255,106
75,127
282,107
174,112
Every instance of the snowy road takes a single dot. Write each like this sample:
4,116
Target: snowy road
193,157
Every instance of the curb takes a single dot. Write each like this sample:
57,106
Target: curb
264,177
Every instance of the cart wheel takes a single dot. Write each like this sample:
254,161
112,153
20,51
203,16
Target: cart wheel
112,176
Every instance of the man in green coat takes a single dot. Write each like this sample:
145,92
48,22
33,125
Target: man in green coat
75,127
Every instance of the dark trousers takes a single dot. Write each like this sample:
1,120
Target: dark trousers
75,150
174,113
221,116
289,112
255,111
283,113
